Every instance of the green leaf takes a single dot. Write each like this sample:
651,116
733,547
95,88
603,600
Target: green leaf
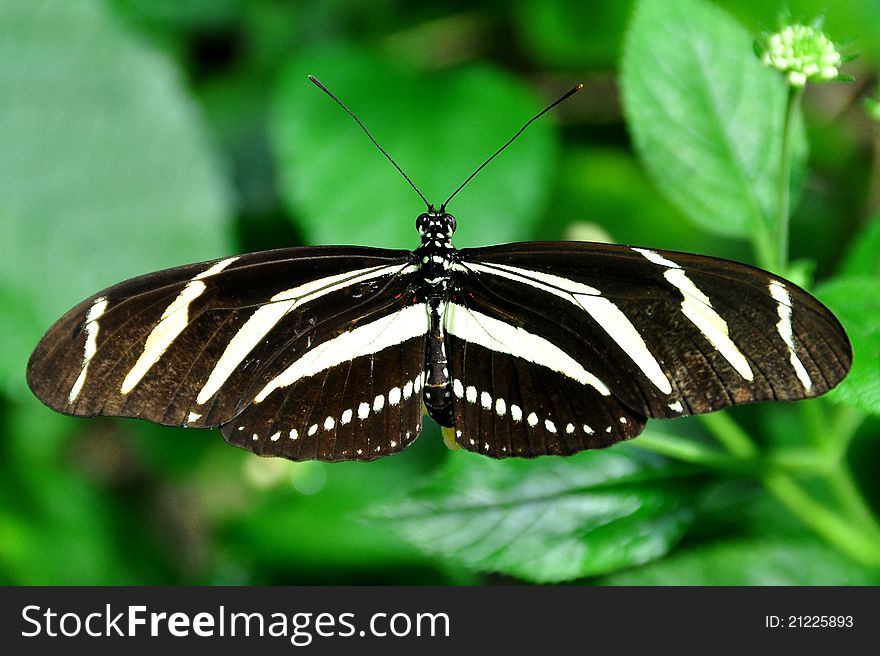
856,302
549,519
705,115
438,127
750,561
863,256
608,186
106,170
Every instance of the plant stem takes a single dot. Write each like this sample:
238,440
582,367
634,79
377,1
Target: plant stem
784,209
817,424
863,547
800,461
845,424
692,452
730,435
850,499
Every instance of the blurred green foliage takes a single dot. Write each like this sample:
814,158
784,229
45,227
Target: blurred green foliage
140,134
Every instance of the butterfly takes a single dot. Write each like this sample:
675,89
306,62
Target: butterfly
517,350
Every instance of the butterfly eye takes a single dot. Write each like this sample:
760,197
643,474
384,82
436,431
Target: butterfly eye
451,223
422,223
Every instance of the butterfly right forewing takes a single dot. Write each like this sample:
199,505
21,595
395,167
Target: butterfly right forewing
188,345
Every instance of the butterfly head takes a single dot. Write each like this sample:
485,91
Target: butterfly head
435,226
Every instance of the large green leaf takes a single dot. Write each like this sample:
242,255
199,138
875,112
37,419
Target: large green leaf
549,519
438,126
856,302
608,187
106,171
750,561
705,115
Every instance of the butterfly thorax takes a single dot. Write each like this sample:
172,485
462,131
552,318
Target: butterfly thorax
436,255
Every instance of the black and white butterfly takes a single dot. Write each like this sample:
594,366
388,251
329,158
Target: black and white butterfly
523,349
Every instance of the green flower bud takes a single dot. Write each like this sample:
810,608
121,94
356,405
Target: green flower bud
803,54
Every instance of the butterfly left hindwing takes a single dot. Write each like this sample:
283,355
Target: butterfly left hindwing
357,408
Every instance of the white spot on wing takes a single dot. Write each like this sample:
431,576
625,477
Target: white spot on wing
91,328
569,428
515,412
216,268
394,396
174,320
496,335
274,436
544,281
363,411
193,416
549,425
407,389
294,434
614,322
471,394
367,339
329,423
697,307
532,419
656,258
313,429
500,407
378,403
457,388
783,327
607,314
346,417
263,320
676,407
486,400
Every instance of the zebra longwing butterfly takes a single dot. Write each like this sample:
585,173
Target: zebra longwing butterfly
524,349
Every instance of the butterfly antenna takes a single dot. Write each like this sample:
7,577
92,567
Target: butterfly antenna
318,84
511,140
